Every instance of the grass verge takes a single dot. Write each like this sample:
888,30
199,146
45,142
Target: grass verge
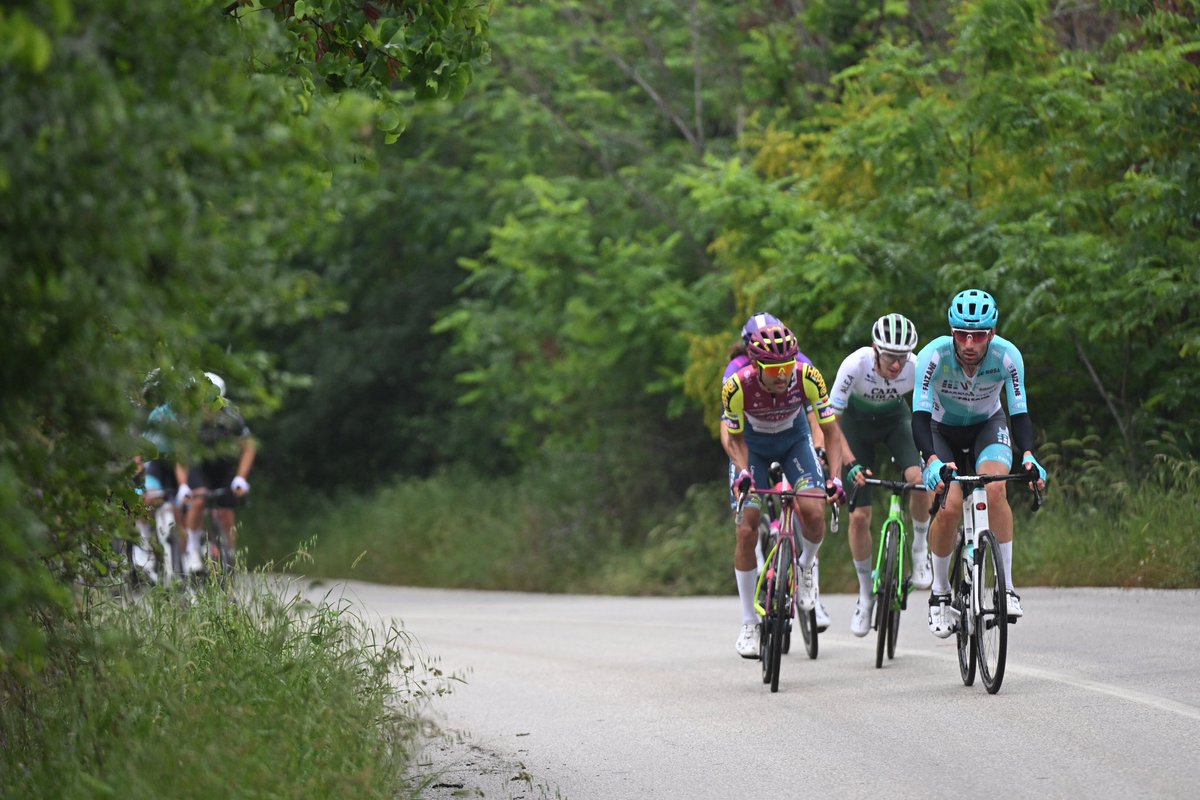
268,697
426,533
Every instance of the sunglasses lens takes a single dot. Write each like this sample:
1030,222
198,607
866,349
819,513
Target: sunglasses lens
778,370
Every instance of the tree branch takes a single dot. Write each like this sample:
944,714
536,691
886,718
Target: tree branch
1129,444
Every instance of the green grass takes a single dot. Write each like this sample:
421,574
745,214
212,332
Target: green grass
268,697
1089,533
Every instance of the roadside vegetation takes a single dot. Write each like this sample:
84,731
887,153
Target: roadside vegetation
271,696
1094,529
471,271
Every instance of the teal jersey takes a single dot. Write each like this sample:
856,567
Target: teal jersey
952,398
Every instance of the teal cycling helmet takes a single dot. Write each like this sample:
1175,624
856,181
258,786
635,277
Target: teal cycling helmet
973,309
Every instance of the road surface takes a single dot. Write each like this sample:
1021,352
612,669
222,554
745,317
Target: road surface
603,698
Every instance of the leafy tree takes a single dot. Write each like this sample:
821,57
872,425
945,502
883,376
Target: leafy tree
162,171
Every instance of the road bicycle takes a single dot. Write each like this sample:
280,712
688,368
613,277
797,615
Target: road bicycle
768,533
891,581
978,590
219,556
775,592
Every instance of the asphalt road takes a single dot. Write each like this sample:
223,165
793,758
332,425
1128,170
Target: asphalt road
603,698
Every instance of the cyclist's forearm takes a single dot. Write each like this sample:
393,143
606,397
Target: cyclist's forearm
247,460
1022,432
735,448
837,446
922,429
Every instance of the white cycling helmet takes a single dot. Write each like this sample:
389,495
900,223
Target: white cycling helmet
894,333
217,381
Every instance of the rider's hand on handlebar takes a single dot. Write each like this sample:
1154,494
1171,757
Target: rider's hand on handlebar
240,486
183,494
1031,465
932,475
743,483
858,473
834,493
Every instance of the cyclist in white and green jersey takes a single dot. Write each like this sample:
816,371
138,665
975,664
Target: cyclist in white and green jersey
956,407
869,398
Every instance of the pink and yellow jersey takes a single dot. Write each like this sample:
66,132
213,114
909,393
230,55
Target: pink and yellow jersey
747,406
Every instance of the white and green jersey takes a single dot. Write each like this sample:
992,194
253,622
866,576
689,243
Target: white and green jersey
952,398
863,390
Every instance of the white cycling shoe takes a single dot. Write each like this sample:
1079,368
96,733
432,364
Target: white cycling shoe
192,562
860,623
943,618
806,589
747,642
922,572
1014,605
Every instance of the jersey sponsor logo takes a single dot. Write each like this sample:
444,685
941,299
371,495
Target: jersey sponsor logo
1002,436
882,393
817,378
927,378
729,391
1015,376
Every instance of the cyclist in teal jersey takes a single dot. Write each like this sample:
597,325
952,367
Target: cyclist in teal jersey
868,396
957,406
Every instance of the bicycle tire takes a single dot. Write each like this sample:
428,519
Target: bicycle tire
961,601
781,608
991,622
893,632
808,629
884,601
764,626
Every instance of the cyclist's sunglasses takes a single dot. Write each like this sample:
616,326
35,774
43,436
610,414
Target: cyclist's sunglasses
964,335
892,358
776,371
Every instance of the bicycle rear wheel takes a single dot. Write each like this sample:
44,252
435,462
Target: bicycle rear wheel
960,583
991,623
781,608
884,611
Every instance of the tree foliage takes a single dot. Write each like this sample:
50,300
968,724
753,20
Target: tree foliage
162,176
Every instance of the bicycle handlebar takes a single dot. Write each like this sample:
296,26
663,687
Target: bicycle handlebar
787,494
971,481
895,486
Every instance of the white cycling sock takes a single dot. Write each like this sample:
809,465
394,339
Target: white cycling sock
194,541
747,581
941,574
866,583
920,537
1006,555
808,553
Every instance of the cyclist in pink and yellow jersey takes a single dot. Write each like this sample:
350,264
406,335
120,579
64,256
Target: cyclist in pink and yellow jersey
737,360
763,412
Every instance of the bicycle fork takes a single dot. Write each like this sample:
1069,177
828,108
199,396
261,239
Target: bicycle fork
903,586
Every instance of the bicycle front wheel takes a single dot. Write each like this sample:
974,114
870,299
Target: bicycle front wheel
991,620
960,583
781,608
887,595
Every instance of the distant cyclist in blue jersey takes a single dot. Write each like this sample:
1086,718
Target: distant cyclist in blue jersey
956,405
